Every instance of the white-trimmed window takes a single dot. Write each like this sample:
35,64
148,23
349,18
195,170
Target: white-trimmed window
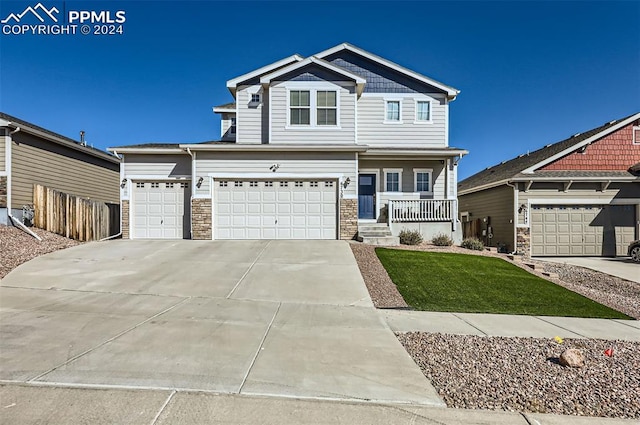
232,126
423,111
393,179
636,135
422,180
299,107
326,107
392,111
255,98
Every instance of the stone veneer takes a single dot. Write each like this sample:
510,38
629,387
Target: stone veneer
124,205
201,222
3,191
348,218
523,241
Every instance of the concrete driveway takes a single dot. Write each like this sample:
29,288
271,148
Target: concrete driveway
260,318
621,267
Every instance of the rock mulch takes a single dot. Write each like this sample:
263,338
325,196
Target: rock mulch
17,247
382,290
524,374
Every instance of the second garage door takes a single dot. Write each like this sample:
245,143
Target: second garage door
275,209
581,230
159,211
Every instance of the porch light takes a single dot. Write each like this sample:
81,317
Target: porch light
200,180
123,183
346,182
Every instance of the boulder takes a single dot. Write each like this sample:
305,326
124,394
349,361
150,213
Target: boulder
572,357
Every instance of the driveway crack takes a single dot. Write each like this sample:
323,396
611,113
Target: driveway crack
77,356
248,270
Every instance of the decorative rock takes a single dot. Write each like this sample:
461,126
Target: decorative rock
572,357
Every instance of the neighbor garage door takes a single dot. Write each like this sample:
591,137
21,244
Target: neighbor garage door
581,230
158,210
275,209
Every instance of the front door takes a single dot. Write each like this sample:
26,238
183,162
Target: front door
366,196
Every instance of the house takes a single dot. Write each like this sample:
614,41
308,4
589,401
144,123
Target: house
30,155
311,148
576,197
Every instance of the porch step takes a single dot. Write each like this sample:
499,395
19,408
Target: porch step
380,241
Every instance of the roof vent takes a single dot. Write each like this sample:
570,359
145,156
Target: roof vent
576,135
82,141
520,156
611,122
546,146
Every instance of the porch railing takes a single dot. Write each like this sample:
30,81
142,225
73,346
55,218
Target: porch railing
422,210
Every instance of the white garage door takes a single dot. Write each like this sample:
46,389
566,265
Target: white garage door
275,209
158,210
581,230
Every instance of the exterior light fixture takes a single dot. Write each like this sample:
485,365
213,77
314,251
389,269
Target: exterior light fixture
274,167
346,182
123,183
200,180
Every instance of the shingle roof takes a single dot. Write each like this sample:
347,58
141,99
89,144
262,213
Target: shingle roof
88,149
168,145
231,105
573,174
508,169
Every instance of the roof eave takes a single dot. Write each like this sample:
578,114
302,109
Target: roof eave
273,147
267,78
224,110
149,150
233,83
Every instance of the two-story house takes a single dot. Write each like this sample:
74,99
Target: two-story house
311,148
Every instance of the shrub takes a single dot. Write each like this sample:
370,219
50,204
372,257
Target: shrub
442,240
410,237
472,243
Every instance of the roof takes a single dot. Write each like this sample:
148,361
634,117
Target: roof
227,107
451,92
507,170
233,83
56,138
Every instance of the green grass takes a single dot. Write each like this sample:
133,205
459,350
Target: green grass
433,281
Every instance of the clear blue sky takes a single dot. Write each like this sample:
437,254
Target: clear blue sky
530,73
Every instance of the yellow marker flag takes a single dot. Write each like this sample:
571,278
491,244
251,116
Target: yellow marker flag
558,339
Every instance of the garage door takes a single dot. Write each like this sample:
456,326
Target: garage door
581,230
275,209
159,211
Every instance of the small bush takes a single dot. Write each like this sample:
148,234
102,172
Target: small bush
410,237
472,243
442,240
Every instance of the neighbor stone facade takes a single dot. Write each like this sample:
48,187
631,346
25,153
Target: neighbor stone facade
3,191
523,241
201,222
125,219
348,218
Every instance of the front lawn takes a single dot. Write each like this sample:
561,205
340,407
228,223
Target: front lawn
434,281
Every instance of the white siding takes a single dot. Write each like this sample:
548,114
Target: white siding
157,166
2,152
408,185
225,124
344,134
373,131
249,124
241,164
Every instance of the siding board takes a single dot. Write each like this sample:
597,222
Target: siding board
2,152
496,203
167,166
249,121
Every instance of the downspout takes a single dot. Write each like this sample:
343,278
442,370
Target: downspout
120,232
14,220
515,218
193,186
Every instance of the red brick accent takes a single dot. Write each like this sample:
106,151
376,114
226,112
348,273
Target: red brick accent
614,152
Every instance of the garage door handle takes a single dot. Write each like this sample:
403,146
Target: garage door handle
161,221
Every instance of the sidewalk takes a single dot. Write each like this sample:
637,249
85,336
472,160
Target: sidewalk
27,404
511,325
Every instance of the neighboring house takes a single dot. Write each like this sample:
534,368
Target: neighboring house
33,155
310,149
577,197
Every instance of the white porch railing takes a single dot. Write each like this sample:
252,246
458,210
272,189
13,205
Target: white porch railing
423,210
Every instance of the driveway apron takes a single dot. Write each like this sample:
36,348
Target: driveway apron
266,318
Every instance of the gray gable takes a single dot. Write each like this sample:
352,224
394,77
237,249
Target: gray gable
380,79
311,72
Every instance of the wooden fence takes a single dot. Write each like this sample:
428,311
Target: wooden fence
472,229
73,216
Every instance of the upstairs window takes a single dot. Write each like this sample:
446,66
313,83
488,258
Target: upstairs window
327,108
392,111
299,102
255,98
423,110
636,135
232,126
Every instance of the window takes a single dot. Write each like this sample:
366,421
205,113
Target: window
299,184
232,127
155,185
184,185
253,184
636,135
422,179
327,108
313,184
168,185
393,111
255,98
328,184
139,185
299,102
237,184
224,184
393,180
284,184
268,184
423,110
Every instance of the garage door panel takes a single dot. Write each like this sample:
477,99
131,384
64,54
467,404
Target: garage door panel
158,210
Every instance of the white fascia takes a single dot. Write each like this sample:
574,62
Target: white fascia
233,83
451,92
148,151
583,143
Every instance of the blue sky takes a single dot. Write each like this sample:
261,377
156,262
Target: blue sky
530,73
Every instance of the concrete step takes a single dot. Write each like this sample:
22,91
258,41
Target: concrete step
380,241
374,234
366,227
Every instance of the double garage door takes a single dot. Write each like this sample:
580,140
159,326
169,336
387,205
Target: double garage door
275,209
582,230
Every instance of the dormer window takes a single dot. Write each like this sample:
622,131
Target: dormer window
255,98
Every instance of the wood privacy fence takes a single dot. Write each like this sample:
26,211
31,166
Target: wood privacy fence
73,216
472,229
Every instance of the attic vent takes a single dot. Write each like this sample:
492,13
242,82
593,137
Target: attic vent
576,135
502,162
520,156
611,122
546,146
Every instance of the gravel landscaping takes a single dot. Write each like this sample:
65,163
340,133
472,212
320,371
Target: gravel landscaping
523,374
18,247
